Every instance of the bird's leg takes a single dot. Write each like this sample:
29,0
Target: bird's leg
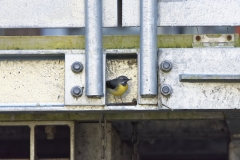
121,98
115,99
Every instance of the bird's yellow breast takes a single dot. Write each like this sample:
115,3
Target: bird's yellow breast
118,91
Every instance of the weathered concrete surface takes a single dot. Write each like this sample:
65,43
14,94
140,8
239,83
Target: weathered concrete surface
88,143
234,150
32,81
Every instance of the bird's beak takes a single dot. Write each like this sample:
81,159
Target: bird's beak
126,80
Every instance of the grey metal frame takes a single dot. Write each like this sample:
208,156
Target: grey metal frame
144,104
32,125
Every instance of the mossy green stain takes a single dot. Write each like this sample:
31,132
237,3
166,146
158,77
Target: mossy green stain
78,42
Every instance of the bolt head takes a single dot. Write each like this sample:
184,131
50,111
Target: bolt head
166,66
77,67
166,90
229,37
198,38
76,91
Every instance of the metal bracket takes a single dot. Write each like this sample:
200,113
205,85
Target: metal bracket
200,78
76,81
209,78
203,40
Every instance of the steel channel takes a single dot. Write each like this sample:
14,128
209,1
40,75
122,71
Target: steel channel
93,46
148,48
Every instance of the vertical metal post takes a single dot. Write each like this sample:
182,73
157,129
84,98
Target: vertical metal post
148,48
72,140
32,142
93,48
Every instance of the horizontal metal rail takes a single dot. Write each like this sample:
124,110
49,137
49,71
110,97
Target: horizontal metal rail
209,78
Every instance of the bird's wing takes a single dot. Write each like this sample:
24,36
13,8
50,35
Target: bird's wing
112,83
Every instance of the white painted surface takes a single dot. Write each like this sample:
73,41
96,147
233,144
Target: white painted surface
51,13
186,13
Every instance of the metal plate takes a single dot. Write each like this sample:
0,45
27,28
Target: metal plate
51,13
203,40
78,79
200,94
186,13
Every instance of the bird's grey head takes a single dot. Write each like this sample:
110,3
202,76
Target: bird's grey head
123,80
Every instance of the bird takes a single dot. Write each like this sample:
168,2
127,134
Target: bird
118,86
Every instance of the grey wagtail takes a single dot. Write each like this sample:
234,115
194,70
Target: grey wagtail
117,86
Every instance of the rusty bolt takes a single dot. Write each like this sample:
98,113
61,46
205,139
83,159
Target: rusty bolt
229,37
198,38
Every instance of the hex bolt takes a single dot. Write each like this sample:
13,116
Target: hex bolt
76,91
77,67
166,90
166,66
